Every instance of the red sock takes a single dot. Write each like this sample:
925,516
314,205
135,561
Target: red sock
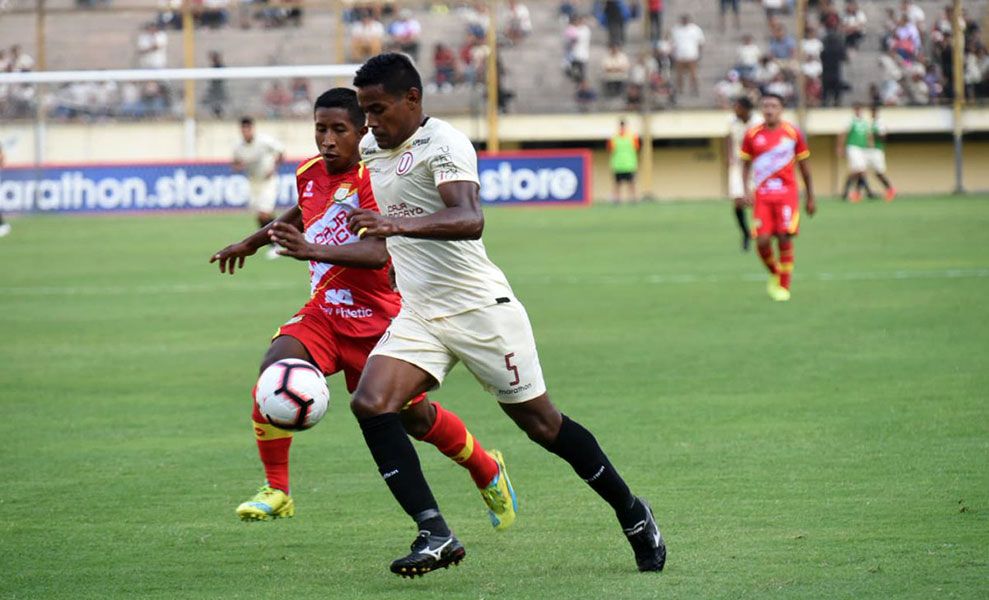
273,447
766,254
786,262
451,437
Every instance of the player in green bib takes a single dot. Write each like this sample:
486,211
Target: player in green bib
876,155
856,144
624,151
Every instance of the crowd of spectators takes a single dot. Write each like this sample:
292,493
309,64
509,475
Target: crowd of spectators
216,14
16,100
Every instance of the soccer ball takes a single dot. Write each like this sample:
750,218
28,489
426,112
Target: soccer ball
292,394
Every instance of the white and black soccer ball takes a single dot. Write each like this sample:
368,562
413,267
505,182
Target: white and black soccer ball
292,394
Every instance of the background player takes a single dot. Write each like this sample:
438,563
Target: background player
623,150
457,306
855,143
258,157
352,304
769,152
742,120
876,155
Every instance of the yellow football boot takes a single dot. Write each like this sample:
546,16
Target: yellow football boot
499,495
268,503
776,291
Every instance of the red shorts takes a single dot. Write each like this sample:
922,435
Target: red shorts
332,351
776,216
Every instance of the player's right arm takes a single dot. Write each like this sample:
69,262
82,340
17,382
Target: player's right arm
232,257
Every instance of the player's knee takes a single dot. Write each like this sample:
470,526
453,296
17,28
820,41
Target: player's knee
416,423
366,404
541,432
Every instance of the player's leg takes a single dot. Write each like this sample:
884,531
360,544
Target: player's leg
736,191
785,242
766,215
385,386
616,184
863,185
4,226
789,221
273,500
878,163
856,167
502,356
432,423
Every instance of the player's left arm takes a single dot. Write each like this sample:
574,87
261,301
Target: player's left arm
462,219
363,254
809,204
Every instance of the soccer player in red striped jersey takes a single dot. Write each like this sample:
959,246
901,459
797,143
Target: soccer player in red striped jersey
769,153
351,306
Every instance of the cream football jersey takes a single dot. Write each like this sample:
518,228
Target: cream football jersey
736,131
259,156
437,278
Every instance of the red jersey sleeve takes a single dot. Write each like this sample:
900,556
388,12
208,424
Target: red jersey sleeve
801,150
302,179
745,152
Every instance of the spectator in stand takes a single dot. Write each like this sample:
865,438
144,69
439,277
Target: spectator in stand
688,40
477,19
277,99
405,33
728,89
614,14
833,56
727,5
973,71
747,58
152,47
773,8
584,96
445,67
918,91
853,24
655,22
891,72
170,15
913,13
767,71
890,24
216,90
644,72
577,42
982,56
366,38
782,46
811,44
19,60
779,86
906,38
301,97
519,22
615,67
213,14
474,57
812,80
567,11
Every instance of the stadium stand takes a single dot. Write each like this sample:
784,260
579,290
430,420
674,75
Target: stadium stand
534,75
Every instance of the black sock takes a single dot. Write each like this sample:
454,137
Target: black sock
848,186
884,180
743,221
578,447
863,184
399,465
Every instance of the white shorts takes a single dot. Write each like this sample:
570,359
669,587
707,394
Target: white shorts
736,187
263,195
856,159
876,159
495,343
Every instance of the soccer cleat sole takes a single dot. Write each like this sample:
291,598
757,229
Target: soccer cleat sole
413,572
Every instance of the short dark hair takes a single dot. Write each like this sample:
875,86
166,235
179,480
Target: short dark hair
773,95
344,98
744,101
246,121
391,70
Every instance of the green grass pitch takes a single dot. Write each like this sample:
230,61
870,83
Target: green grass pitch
833,447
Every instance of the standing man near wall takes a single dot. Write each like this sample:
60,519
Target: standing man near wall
855,143
258,157
624,151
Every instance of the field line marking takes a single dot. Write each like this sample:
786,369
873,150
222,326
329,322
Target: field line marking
655,279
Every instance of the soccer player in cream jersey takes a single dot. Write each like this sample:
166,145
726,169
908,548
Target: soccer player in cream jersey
743,118
457,307
352,304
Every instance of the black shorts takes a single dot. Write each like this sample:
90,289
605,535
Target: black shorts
620,177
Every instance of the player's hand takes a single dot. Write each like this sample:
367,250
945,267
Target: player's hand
293,243
232,257
811,205
365,222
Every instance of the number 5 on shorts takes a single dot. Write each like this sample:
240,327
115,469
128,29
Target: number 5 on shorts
512,368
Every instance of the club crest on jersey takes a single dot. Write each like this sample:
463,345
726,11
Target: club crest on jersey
308,192
345,193
405,163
